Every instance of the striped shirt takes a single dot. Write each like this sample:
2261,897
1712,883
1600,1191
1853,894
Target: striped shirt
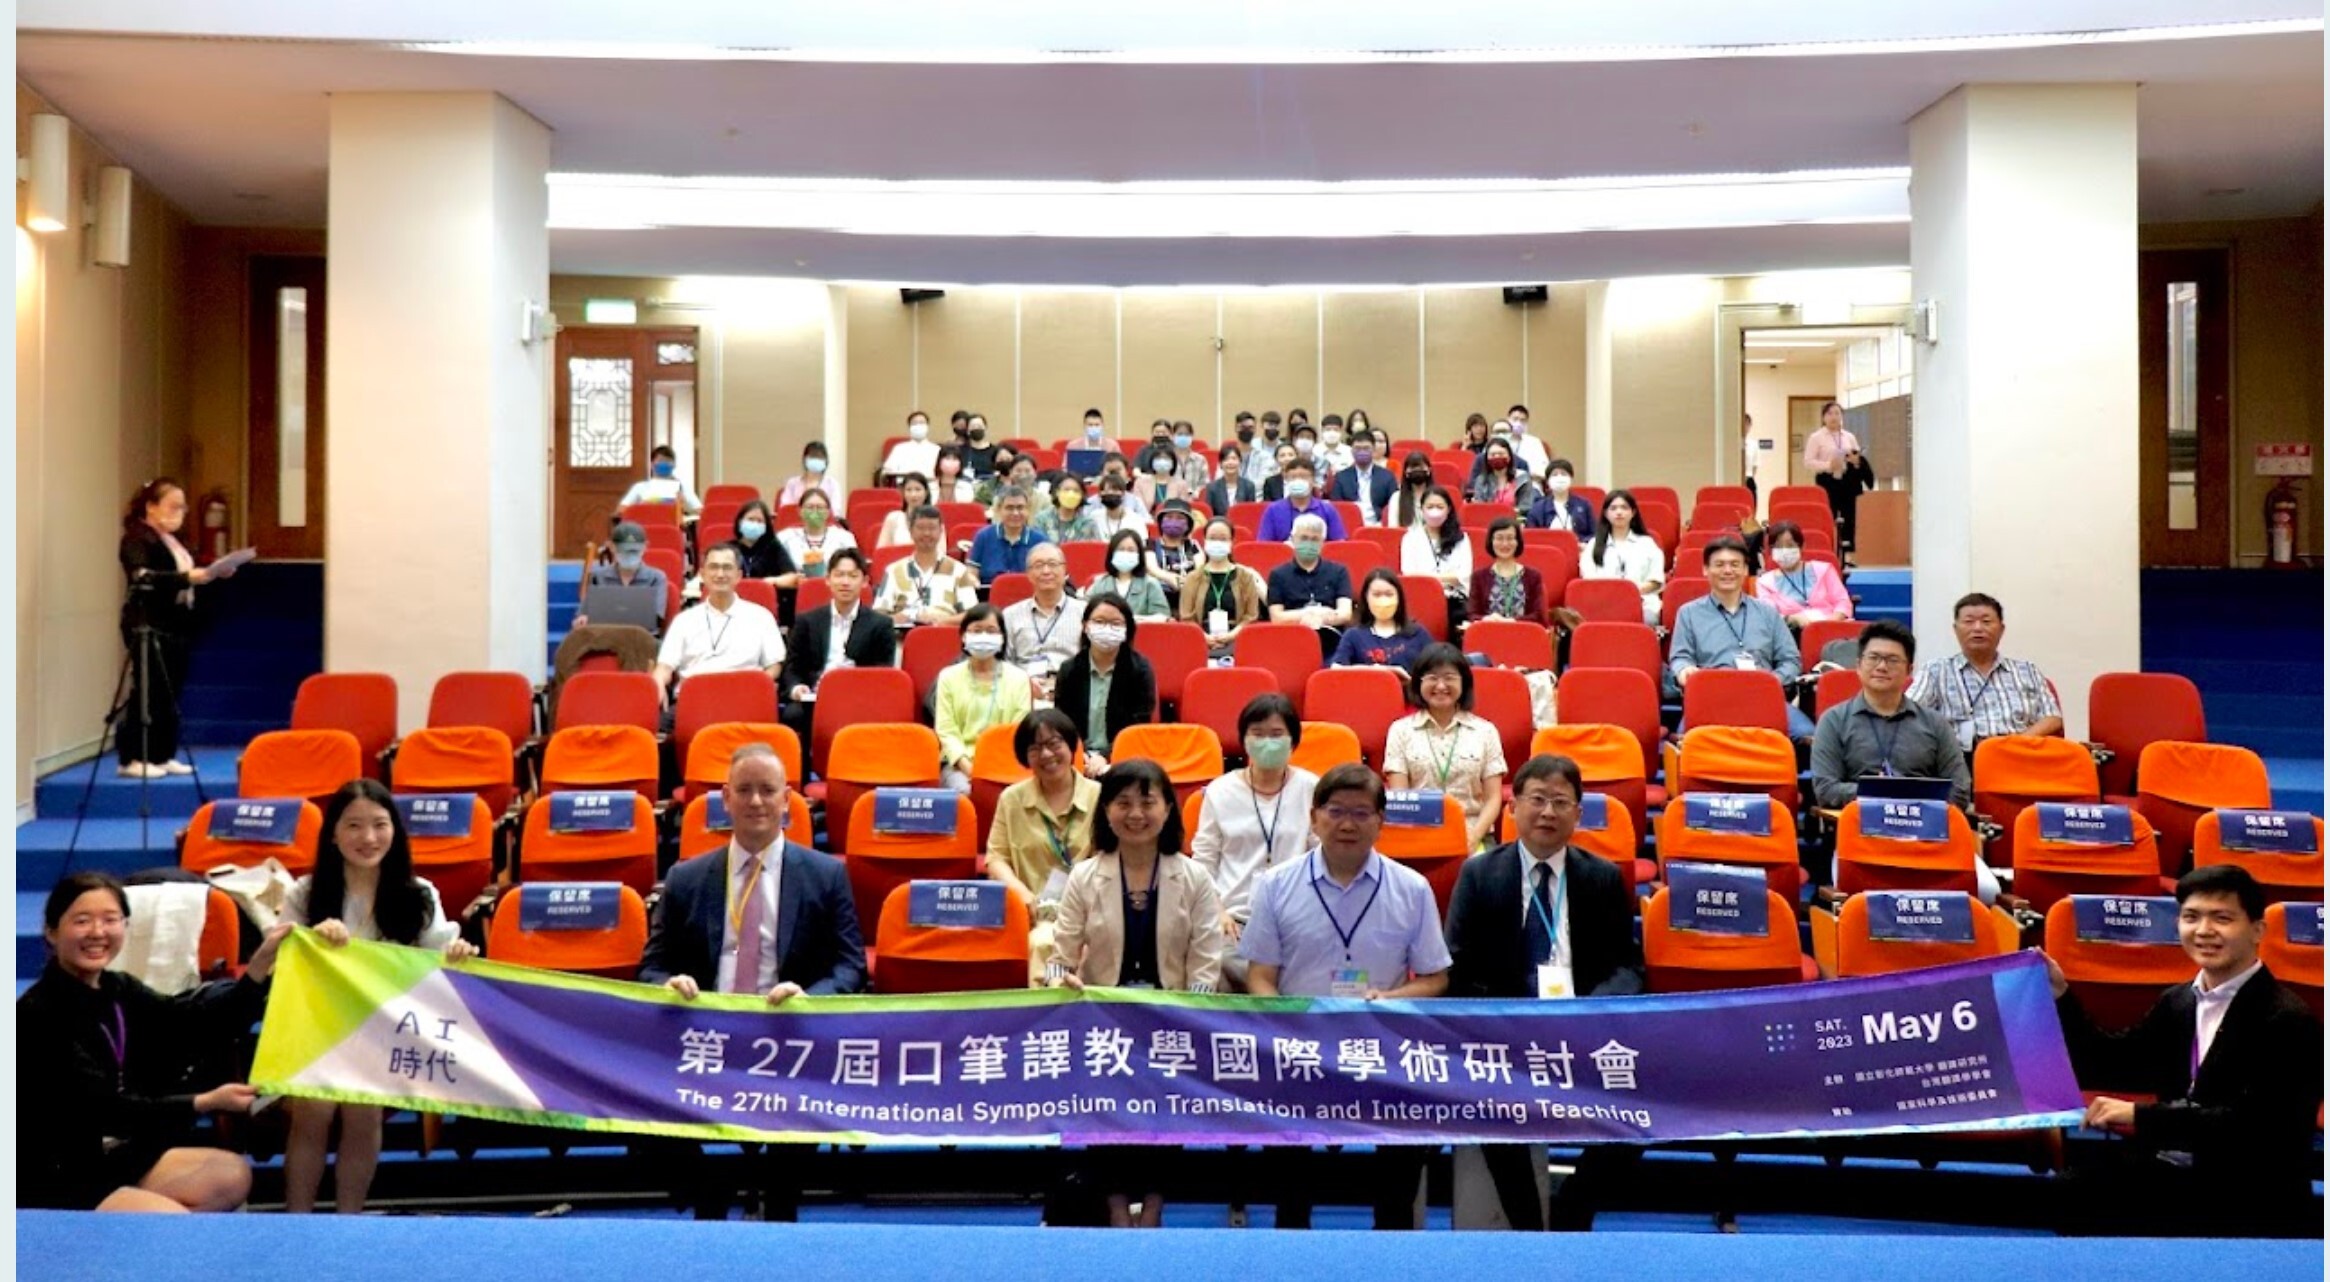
2014,696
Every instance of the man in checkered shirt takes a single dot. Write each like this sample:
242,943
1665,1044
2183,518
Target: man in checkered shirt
1979,693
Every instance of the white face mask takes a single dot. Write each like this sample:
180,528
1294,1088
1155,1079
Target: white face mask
1217,549
1558,483
1332,436
919,431
1303,446
1106,636
1298,488
1786,558
985,645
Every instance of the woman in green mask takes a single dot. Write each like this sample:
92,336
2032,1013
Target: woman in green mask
1255,819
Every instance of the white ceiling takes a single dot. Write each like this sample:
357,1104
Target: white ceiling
235,131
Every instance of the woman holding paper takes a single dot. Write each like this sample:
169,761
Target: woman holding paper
99,1058
1139,914
363,888
155,624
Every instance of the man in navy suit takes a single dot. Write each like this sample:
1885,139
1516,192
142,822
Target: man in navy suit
763,916
1534,918
1365,483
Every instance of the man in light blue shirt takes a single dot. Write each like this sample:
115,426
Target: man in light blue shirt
1346,922
1729,629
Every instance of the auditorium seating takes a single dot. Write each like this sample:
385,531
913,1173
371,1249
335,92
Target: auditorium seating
1214,697
473,759
2296,875
1288,651
2178,782
1437,851
2295,964
1326,745
995,766
715,697
361,703
705,766
1174,650
609,699
1869,862
2116,983
1860,954
2128,710
626,855
602,758
1190,755
953,959
1775,854
1368,700
2047,871
502,700
299,763
458,866
1727,758
878,861
869,755
697,836
2012,771
1681,961
199,851
612,953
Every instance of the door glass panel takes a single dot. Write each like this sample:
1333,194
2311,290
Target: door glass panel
2184,422
291,407
599,417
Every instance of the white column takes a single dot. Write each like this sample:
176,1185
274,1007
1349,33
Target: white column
836,431
2023,233
1601,442
438,419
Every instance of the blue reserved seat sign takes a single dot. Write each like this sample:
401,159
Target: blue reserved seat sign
1414,807
716,813
438,814
2303,923
1594,813
1921,916
570,905
915,812
1718,899
266,821
1905,819
1748,814
2266,832
2073,824
2120,919
591,811
955,905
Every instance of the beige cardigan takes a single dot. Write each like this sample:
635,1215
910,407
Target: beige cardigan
1088,934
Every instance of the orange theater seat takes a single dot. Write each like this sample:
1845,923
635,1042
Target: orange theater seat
1610,763
204,850
2128,710
995,766
870,755
608,954
475,759
851,696
1860,953
1736,759
503,700
2178,782
1325,745
609,699
591,758
1369,700
1191,755
699,835
2116,983
1775,852
1620,697
1866,861
722,696
361,703
2217,839
2011,771
1288,651
1604,830
1438,852
879,862
626,854
2047,871
706,764
948,959
1215,697
1735,697
299,763
1686,961
2297,964
458,865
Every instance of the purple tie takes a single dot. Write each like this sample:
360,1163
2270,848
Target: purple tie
746,978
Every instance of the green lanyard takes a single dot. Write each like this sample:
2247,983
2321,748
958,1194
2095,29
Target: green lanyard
1447,760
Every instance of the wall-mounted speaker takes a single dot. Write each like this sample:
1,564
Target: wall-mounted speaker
912,296
1521,295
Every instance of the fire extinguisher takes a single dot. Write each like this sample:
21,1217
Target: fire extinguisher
217,538
2281,525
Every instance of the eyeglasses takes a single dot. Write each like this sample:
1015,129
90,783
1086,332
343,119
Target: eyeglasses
1882,661
1349,814
1538,801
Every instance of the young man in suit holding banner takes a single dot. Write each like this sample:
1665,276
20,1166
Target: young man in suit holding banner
1538,917
763,916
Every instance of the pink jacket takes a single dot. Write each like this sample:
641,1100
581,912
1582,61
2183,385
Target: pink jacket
1822,590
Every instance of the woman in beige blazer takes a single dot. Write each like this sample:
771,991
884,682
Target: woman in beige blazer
1140,913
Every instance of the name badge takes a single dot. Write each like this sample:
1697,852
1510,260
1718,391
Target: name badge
1745,662
1905,819
438,814
716,818
955,905
1347,982
915,812
1055,886
2078,825
1593,813
267,821
2115,919
1921,916
1553,982
570,905
1718,899
1414,807
591,811
2303,924
1745,813
2270,832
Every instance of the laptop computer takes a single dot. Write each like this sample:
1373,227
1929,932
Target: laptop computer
1898,787
1083,463
632,603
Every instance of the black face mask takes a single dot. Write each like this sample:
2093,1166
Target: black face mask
1245,434
1270,433
1112,501
1418,478
976,435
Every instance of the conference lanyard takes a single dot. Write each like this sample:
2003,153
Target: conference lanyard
921,584
736,902
1561,890
1059,839
1346,935
1886,741
1738,628
117,1041
1975,692
1217,592
1445,762
1799,583
1054,626
716,637
1269,828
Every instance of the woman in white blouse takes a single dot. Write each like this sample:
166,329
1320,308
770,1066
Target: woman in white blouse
897,528
817,537
1255,819
1435,547
1621,550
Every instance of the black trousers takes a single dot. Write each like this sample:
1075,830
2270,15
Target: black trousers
1390,1175
148,730
697,1180
2127,1191
1844,502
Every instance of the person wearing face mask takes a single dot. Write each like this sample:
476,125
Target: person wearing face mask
1264,455
817,537
1067,519
1233,485
1557,508
1195,471
917,453
1127,576
981,692
630,568
978,446
1391,639
1334,450
1302,499
1243,427
953,483
1416,481
1305,440
1364,482
1095,433
1161,481
1802,591
1117,514
1106,686
664,484
1310,589
156,620
815,474
1173,554
1435,546
764,554
1281,457
1160,442
1502,478
1252,819
1528,451
1222,597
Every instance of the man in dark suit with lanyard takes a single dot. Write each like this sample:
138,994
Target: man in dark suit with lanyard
1538,917
866,639
763,916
